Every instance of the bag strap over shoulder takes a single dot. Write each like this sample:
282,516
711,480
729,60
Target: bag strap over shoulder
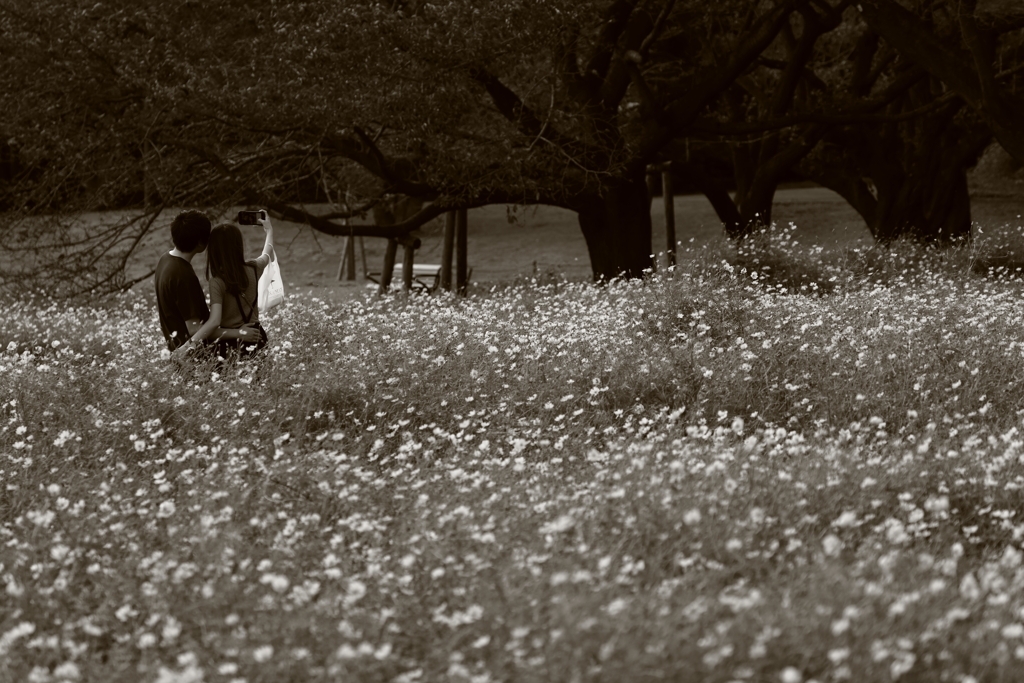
252,307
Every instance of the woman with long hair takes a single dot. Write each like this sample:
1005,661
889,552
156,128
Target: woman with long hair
233,284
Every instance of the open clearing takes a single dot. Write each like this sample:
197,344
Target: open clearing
546,241
704,476
542,241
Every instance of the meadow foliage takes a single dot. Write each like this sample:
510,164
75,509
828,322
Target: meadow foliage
784,467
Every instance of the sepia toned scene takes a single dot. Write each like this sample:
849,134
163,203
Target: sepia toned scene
511,341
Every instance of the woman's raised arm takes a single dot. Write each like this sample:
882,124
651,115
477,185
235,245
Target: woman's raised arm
268,244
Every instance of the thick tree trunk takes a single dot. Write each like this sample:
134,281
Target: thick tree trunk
933,209
755,190
907,179
389,265
757,168
617,229
740,216
717,193
755,208
774,160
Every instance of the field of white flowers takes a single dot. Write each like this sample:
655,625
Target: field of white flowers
776,469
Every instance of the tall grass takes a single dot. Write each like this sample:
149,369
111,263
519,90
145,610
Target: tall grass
784,466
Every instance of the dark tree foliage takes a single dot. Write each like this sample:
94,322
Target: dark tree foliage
973,46
781,82
150,106
457,103
835,104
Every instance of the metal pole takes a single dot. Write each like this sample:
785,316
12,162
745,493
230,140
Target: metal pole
389,265
668,197
461,261
652,182
447,250
348,259
652,187
409,247
362,250
344,259
351,263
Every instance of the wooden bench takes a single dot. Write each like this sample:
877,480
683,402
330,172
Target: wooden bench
426,277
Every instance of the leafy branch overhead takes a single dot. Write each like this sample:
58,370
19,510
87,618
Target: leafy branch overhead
121,105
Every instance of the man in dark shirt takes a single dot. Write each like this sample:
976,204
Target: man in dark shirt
179,296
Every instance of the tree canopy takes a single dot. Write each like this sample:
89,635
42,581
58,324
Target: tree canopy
973,46
563,102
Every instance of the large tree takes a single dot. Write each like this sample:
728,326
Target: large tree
906,176
973,46
834,103
778,84
904,166
459,103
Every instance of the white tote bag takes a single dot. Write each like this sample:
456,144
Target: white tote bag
271,289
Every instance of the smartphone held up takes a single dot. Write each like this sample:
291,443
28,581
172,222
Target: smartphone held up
251,217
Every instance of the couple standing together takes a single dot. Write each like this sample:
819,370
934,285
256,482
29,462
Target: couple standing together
230,325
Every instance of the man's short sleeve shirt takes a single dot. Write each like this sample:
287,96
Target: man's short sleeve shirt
179,297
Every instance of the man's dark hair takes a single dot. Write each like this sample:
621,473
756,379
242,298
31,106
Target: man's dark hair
190,229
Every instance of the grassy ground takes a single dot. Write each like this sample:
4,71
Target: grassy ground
544,241
540,241
801,465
